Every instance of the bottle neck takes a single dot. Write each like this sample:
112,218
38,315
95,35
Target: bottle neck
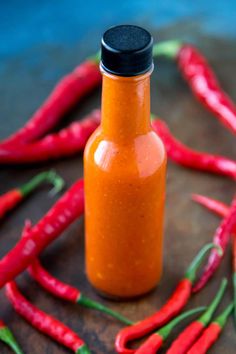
125,106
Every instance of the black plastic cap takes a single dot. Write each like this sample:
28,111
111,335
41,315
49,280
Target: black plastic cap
127,50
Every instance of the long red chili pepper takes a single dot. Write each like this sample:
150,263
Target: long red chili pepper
201,80
44,322
64,96
187,157
67,142
211,333
222,210
213,205
192,332
13,197
69,207
221,238
65,291
170,309
72,139
7,337
156,340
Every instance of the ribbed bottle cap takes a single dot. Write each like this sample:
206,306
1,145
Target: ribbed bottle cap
126,50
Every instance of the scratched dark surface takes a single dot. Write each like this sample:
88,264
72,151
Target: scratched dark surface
40,43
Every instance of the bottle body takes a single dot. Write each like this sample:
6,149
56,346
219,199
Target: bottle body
124,168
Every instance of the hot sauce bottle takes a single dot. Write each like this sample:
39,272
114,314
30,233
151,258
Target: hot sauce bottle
125,172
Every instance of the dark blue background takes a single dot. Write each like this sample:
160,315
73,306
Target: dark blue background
30,23
40,41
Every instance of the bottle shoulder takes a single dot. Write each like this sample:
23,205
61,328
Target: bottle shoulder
143,156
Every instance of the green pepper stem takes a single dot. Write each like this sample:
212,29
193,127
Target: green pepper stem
193,268
83,350
206,317
168,49
48,176
165,331
96,57
7,337
86,302
152,117
222,318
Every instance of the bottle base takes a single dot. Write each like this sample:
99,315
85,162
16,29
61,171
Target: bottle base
118,298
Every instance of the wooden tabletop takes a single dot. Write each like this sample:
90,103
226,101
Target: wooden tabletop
188,226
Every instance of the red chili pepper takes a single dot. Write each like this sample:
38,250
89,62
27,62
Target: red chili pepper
192,332
211,334
156,340
201,80
221,238
187,157
222,210
64,96
44,322
67,142
69,207
13,197
212,204
7,337
72,139
65,291
170,309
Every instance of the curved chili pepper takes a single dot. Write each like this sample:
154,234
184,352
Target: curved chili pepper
156,340
213,205
222,210
7,337
67,142
221,238
64,96
69,207
192,332
67,292
73,138
170,309
201,79
13,197
187,157
44,322
211,333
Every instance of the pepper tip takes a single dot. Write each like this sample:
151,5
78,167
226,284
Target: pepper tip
57,181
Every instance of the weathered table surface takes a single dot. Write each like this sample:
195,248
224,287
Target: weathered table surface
188,227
